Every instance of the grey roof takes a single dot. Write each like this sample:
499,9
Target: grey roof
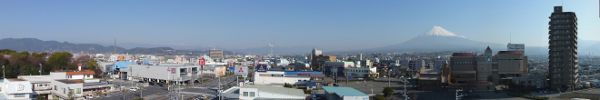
277,90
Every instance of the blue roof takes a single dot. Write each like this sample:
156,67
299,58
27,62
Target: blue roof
343,91
121,64
303,73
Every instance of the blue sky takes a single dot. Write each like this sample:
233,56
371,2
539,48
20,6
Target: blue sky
329,24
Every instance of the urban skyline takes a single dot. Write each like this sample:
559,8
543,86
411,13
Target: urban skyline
299,50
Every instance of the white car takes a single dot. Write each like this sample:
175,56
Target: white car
133,89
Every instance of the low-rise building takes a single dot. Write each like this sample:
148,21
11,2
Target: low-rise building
282,77
67,85
65,89
41,85
15,89
263,92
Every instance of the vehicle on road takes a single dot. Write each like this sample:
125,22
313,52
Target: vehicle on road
133,89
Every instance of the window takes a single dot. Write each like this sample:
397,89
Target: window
245,94
19,95
78,91
251,94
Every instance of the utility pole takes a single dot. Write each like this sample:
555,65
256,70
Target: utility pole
219,87
141,91
3,72
40,70
404,92
388,77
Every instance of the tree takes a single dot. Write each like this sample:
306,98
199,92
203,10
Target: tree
287,85
388,91
379,97
7,51
60,60
93,65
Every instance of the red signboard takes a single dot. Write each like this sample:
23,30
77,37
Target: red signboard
202,61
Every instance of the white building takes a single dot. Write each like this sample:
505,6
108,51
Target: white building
41,85
65,89
15,89
282,77
164,73
262,92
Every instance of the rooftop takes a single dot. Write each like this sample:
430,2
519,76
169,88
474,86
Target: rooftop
84,72
463,54
344,91
71,81
15,79
277,90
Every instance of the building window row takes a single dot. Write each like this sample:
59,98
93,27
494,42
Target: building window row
249,94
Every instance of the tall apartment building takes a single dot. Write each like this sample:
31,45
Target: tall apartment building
563,50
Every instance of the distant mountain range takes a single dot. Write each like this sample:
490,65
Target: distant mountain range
436,40
36,45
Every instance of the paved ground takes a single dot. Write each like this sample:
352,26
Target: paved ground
208,89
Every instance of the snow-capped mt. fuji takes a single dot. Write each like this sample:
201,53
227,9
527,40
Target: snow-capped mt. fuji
440,31
439,39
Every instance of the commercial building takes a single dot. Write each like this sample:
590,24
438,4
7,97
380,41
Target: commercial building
511,64
216,54
563,64
464,70
350,70
164,73
344,93
15,89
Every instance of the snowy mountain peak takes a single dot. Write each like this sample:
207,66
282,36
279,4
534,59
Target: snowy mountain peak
440,31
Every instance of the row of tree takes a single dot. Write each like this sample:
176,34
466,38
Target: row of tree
17,63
